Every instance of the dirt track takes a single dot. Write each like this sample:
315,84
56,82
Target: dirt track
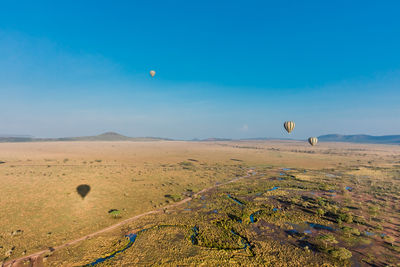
36,260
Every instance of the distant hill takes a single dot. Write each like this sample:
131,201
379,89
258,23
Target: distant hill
15,135
361,138
216,139
264,139
15,139
109,136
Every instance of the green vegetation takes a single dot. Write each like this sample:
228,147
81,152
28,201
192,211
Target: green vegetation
341,253
174,198
320,212
187,165
349,231
115,213
389,239
326,240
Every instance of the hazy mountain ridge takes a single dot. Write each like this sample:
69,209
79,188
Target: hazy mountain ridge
361,138
112,136
212,139
108,136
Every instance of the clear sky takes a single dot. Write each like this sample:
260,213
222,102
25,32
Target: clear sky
224,68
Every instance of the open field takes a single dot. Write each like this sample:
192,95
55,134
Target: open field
334,204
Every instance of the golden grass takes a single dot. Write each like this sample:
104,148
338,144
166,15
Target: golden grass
38,180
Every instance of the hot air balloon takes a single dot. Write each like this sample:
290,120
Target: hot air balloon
313,141
83,190
289,126
152,73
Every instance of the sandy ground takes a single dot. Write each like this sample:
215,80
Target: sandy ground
40,207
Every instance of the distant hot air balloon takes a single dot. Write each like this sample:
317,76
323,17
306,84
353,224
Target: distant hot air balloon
83,190
313,141
289,126
152,73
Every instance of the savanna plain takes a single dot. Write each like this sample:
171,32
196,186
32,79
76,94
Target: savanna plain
169,203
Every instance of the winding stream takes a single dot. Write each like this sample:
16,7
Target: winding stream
131,237
235,200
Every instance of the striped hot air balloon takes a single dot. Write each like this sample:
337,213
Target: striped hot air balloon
289,126
152,73
313,141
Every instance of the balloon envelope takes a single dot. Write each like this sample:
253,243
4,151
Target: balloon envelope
289,126
83,190
313,141
152,73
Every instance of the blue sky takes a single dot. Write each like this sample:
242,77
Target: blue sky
224,68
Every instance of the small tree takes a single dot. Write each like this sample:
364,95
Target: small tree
350,231
115,213
346,217
389,239
327,239
349,217
373,210
320,212
341,253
